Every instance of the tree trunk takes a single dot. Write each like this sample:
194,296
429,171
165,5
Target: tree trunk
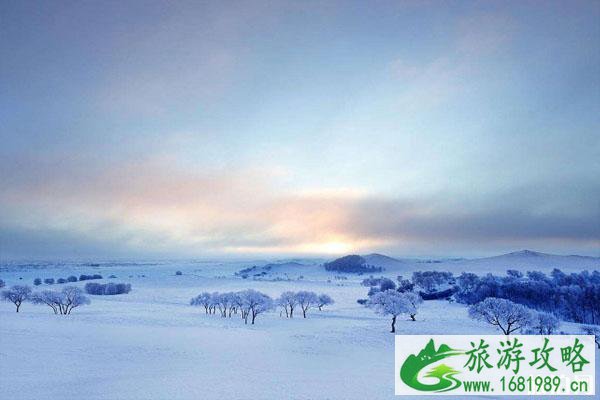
304,312
412,316
393,324
18,306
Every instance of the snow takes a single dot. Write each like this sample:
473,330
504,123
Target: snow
524,260
151,344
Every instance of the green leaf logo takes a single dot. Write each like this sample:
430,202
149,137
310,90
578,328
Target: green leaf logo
409,372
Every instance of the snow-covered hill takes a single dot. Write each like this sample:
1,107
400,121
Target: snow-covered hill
527,260
387,262
524,260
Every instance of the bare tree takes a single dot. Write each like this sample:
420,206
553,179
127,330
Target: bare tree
504,314
306,300
17,295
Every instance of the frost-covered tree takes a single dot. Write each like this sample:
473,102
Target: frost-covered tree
73,297
51,298
233,303
107,289
513,273
17,295
324,300
255,303
215,298
506,315
404,285
203,299
37,281
306,300
391,303
62,302
72,278
224,303
287,300
2,284
543,323
592,330
238,303
49,281
431,280
413,301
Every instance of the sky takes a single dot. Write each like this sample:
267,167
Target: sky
228,129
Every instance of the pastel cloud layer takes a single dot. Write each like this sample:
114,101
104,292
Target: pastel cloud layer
187,130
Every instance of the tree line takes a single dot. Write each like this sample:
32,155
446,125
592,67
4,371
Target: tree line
573,297
61,302
250,303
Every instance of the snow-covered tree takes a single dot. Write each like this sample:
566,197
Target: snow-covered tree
404,285
225,302
287,300
37,281
324,300
430,280
413,301
233,303
2,284
215,297
543,323
51,298
73,297
306,300
238,303
254,303
107,289
592,330
203,299
62,302
391,303
506,315
17,295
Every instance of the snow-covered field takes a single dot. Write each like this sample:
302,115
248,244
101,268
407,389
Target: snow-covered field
151,344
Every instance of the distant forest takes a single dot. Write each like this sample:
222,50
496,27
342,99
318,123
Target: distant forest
351,264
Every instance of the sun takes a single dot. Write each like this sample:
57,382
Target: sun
335,247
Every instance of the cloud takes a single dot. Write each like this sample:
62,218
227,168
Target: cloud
153,206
